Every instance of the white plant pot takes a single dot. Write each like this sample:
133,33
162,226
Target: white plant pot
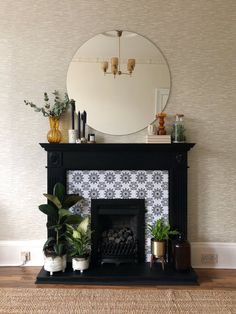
53,264
80,263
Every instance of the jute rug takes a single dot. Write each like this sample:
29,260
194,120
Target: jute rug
66,301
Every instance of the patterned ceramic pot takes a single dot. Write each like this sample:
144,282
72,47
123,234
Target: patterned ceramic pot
53,264
80,263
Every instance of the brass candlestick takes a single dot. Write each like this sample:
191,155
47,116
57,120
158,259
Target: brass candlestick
161,119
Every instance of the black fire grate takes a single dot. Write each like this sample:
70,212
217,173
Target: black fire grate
118,243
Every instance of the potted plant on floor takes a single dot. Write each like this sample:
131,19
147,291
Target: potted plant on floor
160,232
59,216
79,240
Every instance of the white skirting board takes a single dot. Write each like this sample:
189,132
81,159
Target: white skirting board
213,255
203,254
10,252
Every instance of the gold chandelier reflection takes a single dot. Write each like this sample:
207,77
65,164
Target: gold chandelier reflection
116,62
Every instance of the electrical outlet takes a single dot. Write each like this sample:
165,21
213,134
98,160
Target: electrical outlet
209,259
25,257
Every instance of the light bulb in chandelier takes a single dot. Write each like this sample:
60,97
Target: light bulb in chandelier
130,65
115,63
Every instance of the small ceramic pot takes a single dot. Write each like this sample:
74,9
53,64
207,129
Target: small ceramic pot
72,135
80,263
152,129
54,264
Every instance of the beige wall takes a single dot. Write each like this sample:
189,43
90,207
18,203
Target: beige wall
37,42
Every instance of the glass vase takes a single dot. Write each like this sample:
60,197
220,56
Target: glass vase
54,134
178,130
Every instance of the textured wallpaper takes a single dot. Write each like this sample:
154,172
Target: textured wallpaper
37,41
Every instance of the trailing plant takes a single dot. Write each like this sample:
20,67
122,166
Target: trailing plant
79,238
161,230
54,109
59,217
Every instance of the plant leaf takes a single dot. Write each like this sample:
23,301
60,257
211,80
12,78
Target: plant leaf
76,234
73,219
64,212
71,200
59,191
49,210
83,226
49,240
58,248
54,200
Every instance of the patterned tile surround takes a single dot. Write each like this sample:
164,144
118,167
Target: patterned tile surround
151,185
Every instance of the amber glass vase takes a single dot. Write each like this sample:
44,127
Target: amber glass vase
54,134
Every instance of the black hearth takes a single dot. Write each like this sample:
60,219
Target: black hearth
170,157
118,231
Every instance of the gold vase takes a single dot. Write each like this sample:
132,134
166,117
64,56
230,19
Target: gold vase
54,134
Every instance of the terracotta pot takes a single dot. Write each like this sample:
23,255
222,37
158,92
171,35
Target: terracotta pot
80,263
54,264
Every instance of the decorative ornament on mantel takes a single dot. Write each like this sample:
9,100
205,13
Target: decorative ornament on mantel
161,128
53,112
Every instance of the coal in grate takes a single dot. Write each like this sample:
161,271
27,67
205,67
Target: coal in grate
119,242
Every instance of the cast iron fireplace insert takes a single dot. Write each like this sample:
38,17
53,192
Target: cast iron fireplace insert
118,231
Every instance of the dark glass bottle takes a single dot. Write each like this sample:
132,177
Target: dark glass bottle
182,254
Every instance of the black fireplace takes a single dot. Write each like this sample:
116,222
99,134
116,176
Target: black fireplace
125,217
118,231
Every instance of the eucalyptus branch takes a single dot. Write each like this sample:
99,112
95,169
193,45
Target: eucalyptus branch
59,106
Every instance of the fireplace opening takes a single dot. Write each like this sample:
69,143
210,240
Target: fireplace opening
118,231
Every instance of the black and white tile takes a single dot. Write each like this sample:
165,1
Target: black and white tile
151,185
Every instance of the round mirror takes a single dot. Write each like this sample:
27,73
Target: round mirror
121,79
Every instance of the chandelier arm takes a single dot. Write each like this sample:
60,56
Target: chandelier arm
119,56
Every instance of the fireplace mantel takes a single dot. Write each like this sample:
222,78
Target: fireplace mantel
174,147
171,157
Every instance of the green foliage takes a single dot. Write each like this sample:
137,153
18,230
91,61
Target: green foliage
52,110
79,238
178,133
161,230
59,217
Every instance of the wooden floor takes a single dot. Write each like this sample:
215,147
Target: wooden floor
208,279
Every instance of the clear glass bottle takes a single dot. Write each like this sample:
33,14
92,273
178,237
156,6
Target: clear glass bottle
178,130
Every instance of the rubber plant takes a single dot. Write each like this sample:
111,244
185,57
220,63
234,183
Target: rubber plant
59,217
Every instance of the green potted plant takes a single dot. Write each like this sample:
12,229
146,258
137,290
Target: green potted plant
53,111
59,216
79,241
160,232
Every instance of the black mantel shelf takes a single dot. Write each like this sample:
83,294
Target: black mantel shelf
65,147
125,156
